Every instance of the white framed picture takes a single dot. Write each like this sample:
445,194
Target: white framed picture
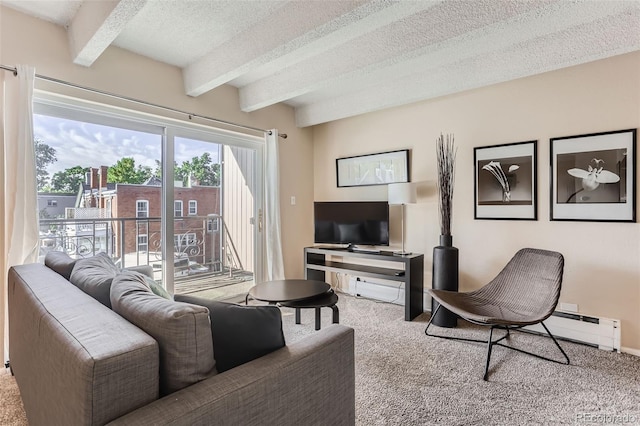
593,177
373,169
506,181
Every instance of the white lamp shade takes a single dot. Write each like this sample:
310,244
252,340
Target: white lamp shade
402,193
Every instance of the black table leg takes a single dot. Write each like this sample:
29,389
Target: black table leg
336,314
317,318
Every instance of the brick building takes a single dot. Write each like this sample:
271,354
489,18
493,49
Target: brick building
138,210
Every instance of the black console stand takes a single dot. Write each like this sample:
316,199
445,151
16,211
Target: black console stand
317,261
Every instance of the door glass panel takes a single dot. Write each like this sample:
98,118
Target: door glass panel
213,235
98,190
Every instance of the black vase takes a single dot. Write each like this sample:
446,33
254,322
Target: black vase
445,277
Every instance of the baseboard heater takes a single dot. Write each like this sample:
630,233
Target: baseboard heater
602,333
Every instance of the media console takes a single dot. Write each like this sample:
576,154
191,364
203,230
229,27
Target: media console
410,271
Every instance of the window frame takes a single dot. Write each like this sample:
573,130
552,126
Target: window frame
119,113
195,209
176,211
138,211
146,244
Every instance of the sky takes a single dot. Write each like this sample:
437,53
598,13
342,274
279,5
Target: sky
93,145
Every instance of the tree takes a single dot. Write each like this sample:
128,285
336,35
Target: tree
125,171
69,180
202,169
45,155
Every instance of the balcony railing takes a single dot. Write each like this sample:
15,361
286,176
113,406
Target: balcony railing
201,243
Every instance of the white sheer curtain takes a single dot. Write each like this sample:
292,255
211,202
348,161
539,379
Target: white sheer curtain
275,264
19,212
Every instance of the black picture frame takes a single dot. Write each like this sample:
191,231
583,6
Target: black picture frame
373,169
506,181
593,177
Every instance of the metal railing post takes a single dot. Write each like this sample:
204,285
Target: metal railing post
121,242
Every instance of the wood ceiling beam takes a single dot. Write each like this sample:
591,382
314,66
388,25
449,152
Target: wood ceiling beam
96,25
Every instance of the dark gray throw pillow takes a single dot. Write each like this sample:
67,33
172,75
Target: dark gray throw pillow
93,275
240,333
60,262
182,330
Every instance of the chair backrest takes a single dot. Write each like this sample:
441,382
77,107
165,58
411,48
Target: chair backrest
530,283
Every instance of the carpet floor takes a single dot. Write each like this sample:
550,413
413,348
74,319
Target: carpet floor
405,377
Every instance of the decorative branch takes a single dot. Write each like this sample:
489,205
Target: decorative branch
446,159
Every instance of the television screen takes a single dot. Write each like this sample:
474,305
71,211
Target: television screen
352,222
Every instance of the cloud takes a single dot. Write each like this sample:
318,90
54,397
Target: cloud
93,145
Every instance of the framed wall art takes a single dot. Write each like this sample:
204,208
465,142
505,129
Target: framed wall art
373,169
593,177
506,181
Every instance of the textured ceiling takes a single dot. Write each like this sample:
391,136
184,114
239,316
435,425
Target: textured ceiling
335,59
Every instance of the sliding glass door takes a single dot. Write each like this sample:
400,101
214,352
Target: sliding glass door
215,195
183,199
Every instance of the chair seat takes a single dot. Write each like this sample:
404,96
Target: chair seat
482,310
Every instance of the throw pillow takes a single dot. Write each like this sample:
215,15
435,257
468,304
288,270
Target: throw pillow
240,333
183,331
60,262
156,288
93,275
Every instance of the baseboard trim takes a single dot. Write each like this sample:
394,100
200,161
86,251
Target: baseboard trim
630,351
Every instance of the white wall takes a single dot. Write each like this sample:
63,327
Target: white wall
602,272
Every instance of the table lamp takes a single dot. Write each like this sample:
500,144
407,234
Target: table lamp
401,194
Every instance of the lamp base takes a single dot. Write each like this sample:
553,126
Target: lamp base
401,253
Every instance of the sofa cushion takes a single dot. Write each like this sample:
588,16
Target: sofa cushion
93,275
143,269
60,262
183,331
240,333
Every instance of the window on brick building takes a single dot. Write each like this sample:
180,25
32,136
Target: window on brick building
177,208
193,207
143,242
213,225
142,208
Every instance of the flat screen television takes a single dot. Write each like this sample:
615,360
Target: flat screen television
351,222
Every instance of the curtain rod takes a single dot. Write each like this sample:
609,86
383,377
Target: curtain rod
126,98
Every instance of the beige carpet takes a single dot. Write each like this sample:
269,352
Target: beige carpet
404,377
11,411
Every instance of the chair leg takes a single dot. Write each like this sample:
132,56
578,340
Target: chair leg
489,345
462,339
433,315
556,342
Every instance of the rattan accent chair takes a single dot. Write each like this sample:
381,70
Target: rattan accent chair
525,292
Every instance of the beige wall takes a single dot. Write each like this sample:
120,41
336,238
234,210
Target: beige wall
602,273
26,40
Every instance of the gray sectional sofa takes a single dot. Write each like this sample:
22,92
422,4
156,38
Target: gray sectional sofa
79,362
